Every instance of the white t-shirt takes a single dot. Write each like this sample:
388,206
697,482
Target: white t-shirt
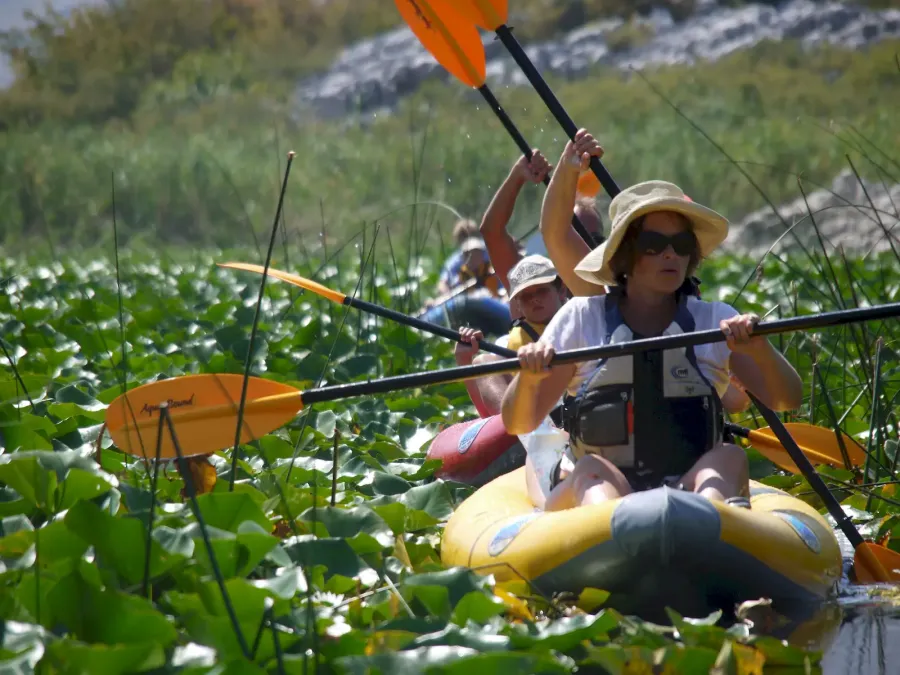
581,323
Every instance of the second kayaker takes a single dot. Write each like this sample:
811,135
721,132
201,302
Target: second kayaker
536,286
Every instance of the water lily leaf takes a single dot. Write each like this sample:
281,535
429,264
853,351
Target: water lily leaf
25,431
119,542
478,607
326,421
22,646
504,662
71,401
31,480
95,615
410,662
363,529
227,510
402,519
563,634
334,554
114,659
56,540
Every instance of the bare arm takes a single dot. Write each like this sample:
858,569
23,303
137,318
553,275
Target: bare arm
564,245
501,246
735,400
760,367
535,390
491,388
486,392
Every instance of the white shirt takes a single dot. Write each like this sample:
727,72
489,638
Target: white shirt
581,323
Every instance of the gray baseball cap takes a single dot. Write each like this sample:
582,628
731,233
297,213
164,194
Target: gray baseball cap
532,270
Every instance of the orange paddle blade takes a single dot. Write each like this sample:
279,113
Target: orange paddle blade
302,282
588,184
204,411
451,38
488,14
817,443
875,564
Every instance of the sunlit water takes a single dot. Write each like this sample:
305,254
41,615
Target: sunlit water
867,640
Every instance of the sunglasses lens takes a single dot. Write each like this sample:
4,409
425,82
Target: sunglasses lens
654,243
683,243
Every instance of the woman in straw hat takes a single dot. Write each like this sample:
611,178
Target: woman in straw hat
636,423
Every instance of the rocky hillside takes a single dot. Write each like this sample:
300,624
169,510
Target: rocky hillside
859,217
375,73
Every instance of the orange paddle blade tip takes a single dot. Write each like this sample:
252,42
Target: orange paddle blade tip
488,14
451,39
874,564
296,280
204,411
588,184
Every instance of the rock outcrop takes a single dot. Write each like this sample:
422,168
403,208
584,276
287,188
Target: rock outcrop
375,73
844,215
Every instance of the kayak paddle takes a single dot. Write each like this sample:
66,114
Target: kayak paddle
198,404
362,305
492,15
872,563
455,44
817,443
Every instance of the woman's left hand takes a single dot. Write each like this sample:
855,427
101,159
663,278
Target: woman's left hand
739,334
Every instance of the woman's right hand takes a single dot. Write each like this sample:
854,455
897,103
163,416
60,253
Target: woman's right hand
534,358
577,154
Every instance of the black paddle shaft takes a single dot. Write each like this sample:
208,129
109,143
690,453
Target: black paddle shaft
513,131
422,325
809,473
521,58
509,365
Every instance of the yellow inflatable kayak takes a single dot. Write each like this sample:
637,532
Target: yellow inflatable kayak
662,547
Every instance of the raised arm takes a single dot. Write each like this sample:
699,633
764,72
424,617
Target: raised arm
501,246
564,245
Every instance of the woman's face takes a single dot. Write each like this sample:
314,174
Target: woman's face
664,248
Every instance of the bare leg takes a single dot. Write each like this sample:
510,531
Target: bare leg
721,473
593,480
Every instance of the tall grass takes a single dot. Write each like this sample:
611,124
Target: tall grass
204,175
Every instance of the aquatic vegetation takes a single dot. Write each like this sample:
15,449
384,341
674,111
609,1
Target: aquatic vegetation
325,556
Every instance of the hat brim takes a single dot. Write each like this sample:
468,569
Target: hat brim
537,281
709,227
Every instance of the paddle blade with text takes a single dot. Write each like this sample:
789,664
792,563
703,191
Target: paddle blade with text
204,414
451,39
488,14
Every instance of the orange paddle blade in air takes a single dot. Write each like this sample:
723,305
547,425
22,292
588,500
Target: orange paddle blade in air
488,14
875,564
204,412
818,444
296,280
453,40
588,184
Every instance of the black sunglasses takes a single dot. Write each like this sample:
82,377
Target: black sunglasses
654,243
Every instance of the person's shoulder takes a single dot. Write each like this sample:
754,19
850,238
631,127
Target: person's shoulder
585,303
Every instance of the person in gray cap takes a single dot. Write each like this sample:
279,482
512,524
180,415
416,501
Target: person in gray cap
537,290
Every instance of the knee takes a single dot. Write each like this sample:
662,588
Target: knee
591,470
732,461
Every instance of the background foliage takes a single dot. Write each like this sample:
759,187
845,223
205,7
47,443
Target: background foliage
190,105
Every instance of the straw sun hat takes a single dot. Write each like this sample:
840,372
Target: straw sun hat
709,227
